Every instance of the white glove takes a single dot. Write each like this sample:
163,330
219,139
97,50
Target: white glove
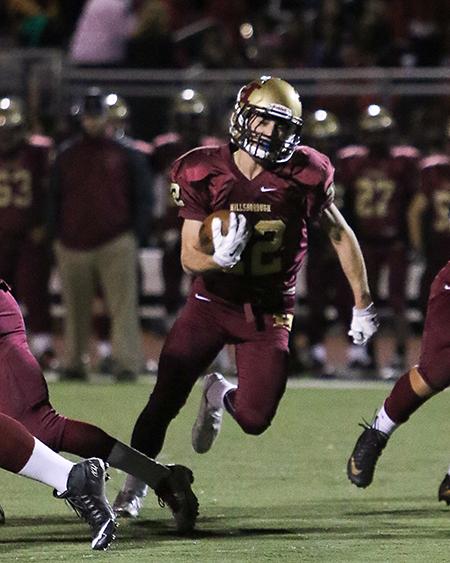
364,324
228,248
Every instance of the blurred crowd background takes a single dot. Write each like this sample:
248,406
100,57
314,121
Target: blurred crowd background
160,77
234,33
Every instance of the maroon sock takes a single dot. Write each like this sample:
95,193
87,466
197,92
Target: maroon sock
86,440
402,401
16,445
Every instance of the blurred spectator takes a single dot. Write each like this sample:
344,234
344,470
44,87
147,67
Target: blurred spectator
429,227
380,180
37,23
99,209
102,33
150,44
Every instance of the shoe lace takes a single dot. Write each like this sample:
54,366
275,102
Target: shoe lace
88,508
167,497
371,443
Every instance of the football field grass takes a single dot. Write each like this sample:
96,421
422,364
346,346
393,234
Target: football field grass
282,496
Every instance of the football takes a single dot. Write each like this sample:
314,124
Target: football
205,234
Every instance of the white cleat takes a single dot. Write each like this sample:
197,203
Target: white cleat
128,504
209,418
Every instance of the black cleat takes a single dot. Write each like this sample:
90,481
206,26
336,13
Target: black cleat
86,495
175,491
444,490
362,462
2,516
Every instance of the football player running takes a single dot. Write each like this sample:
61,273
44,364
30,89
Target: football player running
244,294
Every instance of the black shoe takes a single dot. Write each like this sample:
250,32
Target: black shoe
86,495
175,491
2,516
444,490
362,462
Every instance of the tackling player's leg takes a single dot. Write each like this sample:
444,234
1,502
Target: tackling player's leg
407,395
412,389
81,484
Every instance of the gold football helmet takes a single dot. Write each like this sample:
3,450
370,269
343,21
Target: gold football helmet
12,124
375,118
321,125
190,102
271,99
11,113
118,109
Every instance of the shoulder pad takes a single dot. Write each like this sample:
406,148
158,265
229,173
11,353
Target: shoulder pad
195,165
166,139
43,141
313,166
405,151
142,146
434,160
352,151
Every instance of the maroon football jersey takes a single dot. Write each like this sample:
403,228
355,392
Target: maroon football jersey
435,185
378,189
23,180
278,203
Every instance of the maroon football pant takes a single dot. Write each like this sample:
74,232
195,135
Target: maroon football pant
24,392
24,397
26,267
434,363
200,332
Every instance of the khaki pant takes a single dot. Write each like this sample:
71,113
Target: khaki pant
114,267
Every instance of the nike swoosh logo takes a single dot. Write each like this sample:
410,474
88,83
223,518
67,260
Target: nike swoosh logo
447,287
353,469
202,298
264,189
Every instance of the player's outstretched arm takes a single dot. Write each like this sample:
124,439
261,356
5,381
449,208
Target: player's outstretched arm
364,322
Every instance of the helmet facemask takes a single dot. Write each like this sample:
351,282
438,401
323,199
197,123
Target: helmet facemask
276,148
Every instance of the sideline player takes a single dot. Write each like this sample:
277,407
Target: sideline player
380,180
244,294
25,254
416,386
429,227
24,397
81,484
